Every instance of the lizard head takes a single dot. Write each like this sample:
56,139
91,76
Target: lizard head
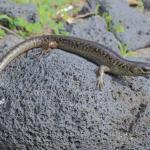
140,69
146,69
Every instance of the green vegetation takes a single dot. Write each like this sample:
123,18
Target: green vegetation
23,27
2,33
118,28
108,20
141,4
124,51
51,13
97,9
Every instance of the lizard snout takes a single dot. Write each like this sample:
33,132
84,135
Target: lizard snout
146,69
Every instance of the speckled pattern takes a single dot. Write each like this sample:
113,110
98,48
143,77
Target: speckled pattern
27,11
95,28
147,5
51,102
135,23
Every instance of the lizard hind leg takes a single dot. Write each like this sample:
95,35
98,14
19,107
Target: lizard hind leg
100,80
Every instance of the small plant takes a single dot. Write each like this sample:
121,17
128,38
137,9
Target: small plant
124,51
48,11
97,9
108,20
23,27
2,33
5,17
118,28
141,4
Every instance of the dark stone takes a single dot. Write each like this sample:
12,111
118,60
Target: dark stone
95,29
147,4
136,20
52,103
27,11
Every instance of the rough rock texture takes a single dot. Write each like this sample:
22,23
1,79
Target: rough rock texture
27,11
4,1
147,4
51,102
95,29
144,52
136,24
89,6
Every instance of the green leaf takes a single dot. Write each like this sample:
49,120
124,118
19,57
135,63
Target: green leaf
108,20
124,51
5,17
119,28
2,33
20,22
47,10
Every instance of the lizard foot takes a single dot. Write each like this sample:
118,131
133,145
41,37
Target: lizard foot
100,80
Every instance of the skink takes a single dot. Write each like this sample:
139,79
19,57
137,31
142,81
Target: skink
108,60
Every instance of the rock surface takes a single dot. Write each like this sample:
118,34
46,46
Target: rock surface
27,11
95,29
136,25
51,102
147,4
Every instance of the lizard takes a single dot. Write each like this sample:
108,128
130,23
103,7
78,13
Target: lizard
107,59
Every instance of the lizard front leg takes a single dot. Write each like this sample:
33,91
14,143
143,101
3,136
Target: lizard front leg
47,47
100,80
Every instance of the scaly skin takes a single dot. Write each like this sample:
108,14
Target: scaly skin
92,51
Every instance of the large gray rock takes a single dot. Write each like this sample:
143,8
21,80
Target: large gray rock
51,102
89,6
3,1
27,11
146,4
136,24
95,29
